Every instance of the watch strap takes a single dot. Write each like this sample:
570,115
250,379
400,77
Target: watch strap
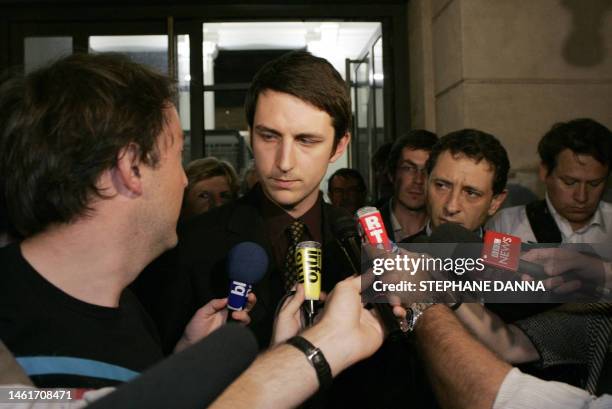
316,359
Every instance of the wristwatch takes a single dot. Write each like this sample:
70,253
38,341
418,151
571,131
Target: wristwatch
416,310
316,359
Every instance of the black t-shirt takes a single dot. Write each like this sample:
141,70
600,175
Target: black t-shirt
64,342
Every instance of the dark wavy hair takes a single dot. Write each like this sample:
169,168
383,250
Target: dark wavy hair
476,145
415,139
309,78
64,124
584,136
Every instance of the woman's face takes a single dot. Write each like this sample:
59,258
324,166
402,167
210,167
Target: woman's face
207,194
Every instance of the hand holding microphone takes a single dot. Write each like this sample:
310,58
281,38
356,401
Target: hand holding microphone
372,231
288,321
568,271
247,263
209,318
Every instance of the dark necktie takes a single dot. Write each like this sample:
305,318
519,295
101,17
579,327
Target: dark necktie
294,232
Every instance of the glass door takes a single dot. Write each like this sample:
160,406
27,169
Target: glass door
366,82
229,55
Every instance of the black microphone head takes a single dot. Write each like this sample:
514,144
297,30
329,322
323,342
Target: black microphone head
344,227
453,233
199,374
454,240
247,262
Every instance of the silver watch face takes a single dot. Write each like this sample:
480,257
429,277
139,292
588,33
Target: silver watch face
416,310
415,313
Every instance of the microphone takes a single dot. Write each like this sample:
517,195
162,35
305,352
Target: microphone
498,250
504,251
372,228
193,378
468,244
308,260
373,232
345,231
247,263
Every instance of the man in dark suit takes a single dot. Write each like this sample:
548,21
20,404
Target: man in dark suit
298,111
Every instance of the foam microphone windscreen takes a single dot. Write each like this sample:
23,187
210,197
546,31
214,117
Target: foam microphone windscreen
459,241
345,230
193,378
453,233
344,227
247,262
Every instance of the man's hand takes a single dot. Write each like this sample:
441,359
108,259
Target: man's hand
283,377
209,318
288,322
347,332
568,270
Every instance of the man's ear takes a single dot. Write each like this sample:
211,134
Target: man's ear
497,201
127,174
340,147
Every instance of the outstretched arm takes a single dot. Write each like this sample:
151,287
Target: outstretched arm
463,372
283,377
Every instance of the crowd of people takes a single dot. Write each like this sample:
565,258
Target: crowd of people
102,293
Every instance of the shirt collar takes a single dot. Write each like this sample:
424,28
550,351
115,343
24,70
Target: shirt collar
277,219
564,225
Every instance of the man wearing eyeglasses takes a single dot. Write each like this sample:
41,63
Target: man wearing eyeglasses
405,214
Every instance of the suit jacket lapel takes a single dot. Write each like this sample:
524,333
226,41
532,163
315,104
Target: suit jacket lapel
247,222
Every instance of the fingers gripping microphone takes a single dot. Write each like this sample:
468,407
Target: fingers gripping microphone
373,232
247,263
499,250
308,261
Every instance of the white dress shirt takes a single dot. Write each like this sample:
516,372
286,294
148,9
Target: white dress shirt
522,391
513,220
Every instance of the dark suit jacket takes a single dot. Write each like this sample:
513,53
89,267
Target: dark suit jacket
195,272
184,279
385,212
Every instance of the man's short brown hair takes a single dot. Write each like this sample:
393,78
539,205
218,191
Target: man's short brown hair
309,78
63,125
